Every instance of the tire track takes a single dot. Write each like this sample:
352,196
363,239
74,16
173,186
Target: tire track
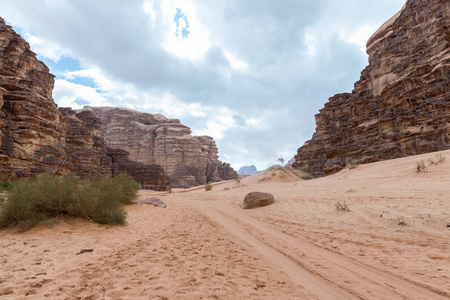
332,275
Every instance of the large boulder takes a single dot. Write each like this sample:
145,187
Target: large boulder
257,199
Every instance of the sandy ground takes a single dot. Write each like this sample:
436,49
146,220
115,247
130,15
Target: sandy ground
393,243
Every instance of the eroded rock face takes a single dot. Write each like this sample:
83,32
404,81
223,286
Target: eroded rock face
401,104
85,144
90,157
33,132
149,176
36,137
155,139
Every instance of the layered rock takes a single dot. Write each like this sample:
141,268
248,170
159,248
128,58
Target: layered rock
36,137
90,157
155,139
33,132
401,104
149,176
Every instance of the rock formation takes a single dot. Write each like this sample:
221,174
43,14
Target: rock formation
33,132
150,176
90,157
401,104
154,139
36,137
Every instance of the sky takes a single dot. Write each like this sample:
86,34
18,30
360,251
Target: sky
250,73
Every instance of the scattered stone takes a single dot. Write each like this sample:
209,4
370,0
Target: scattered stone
85,251
257,199
154,201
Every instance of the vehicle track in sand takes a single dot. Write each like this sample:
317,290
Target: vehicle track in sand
327,274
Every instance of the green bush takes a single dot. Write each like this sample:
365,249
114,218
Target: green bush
5,185
48,196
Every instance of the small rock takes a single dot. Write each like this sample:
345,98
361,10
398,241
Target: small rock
154,201
85,251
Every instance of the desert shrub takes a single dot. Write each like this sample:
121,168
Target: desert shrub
5,186
352,165
420,167
439,159
340,206
208,187
306,176
48,196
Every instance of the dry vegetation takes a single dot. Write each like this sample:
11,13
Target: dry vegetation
29,202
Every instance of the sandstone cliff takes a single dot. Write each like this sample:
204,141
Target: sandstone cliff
401,104
33,132
86,148
36,137
154,139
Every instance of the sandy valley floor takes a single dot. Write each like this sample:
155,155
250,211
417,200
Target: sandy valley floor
394,243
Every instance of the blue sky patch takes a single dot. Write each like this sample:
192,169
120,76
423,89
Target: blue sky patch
185,29
80,101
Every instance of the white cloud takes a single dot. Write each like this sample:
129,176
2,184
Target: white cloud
69,93
45,48
252,76
196,44
361,36
235,62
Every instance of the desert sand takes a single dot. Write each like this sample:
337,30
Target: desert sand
392,243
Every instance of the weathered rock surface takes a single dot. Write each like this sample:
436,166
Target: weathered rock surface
401,104
36,137
85,144
149,176
154,139
33,132
257,199
90,157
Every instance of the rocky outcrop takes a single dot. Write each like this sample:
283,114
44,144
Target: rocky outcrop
149,176
33,132
257,199
401,104
36,137
155,139
90,157
85,144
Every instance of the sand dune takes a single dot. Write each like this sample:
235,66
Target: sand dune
393,243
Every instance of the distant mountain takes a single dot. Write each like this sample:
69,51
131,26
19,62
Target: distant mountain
251,170
248,170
